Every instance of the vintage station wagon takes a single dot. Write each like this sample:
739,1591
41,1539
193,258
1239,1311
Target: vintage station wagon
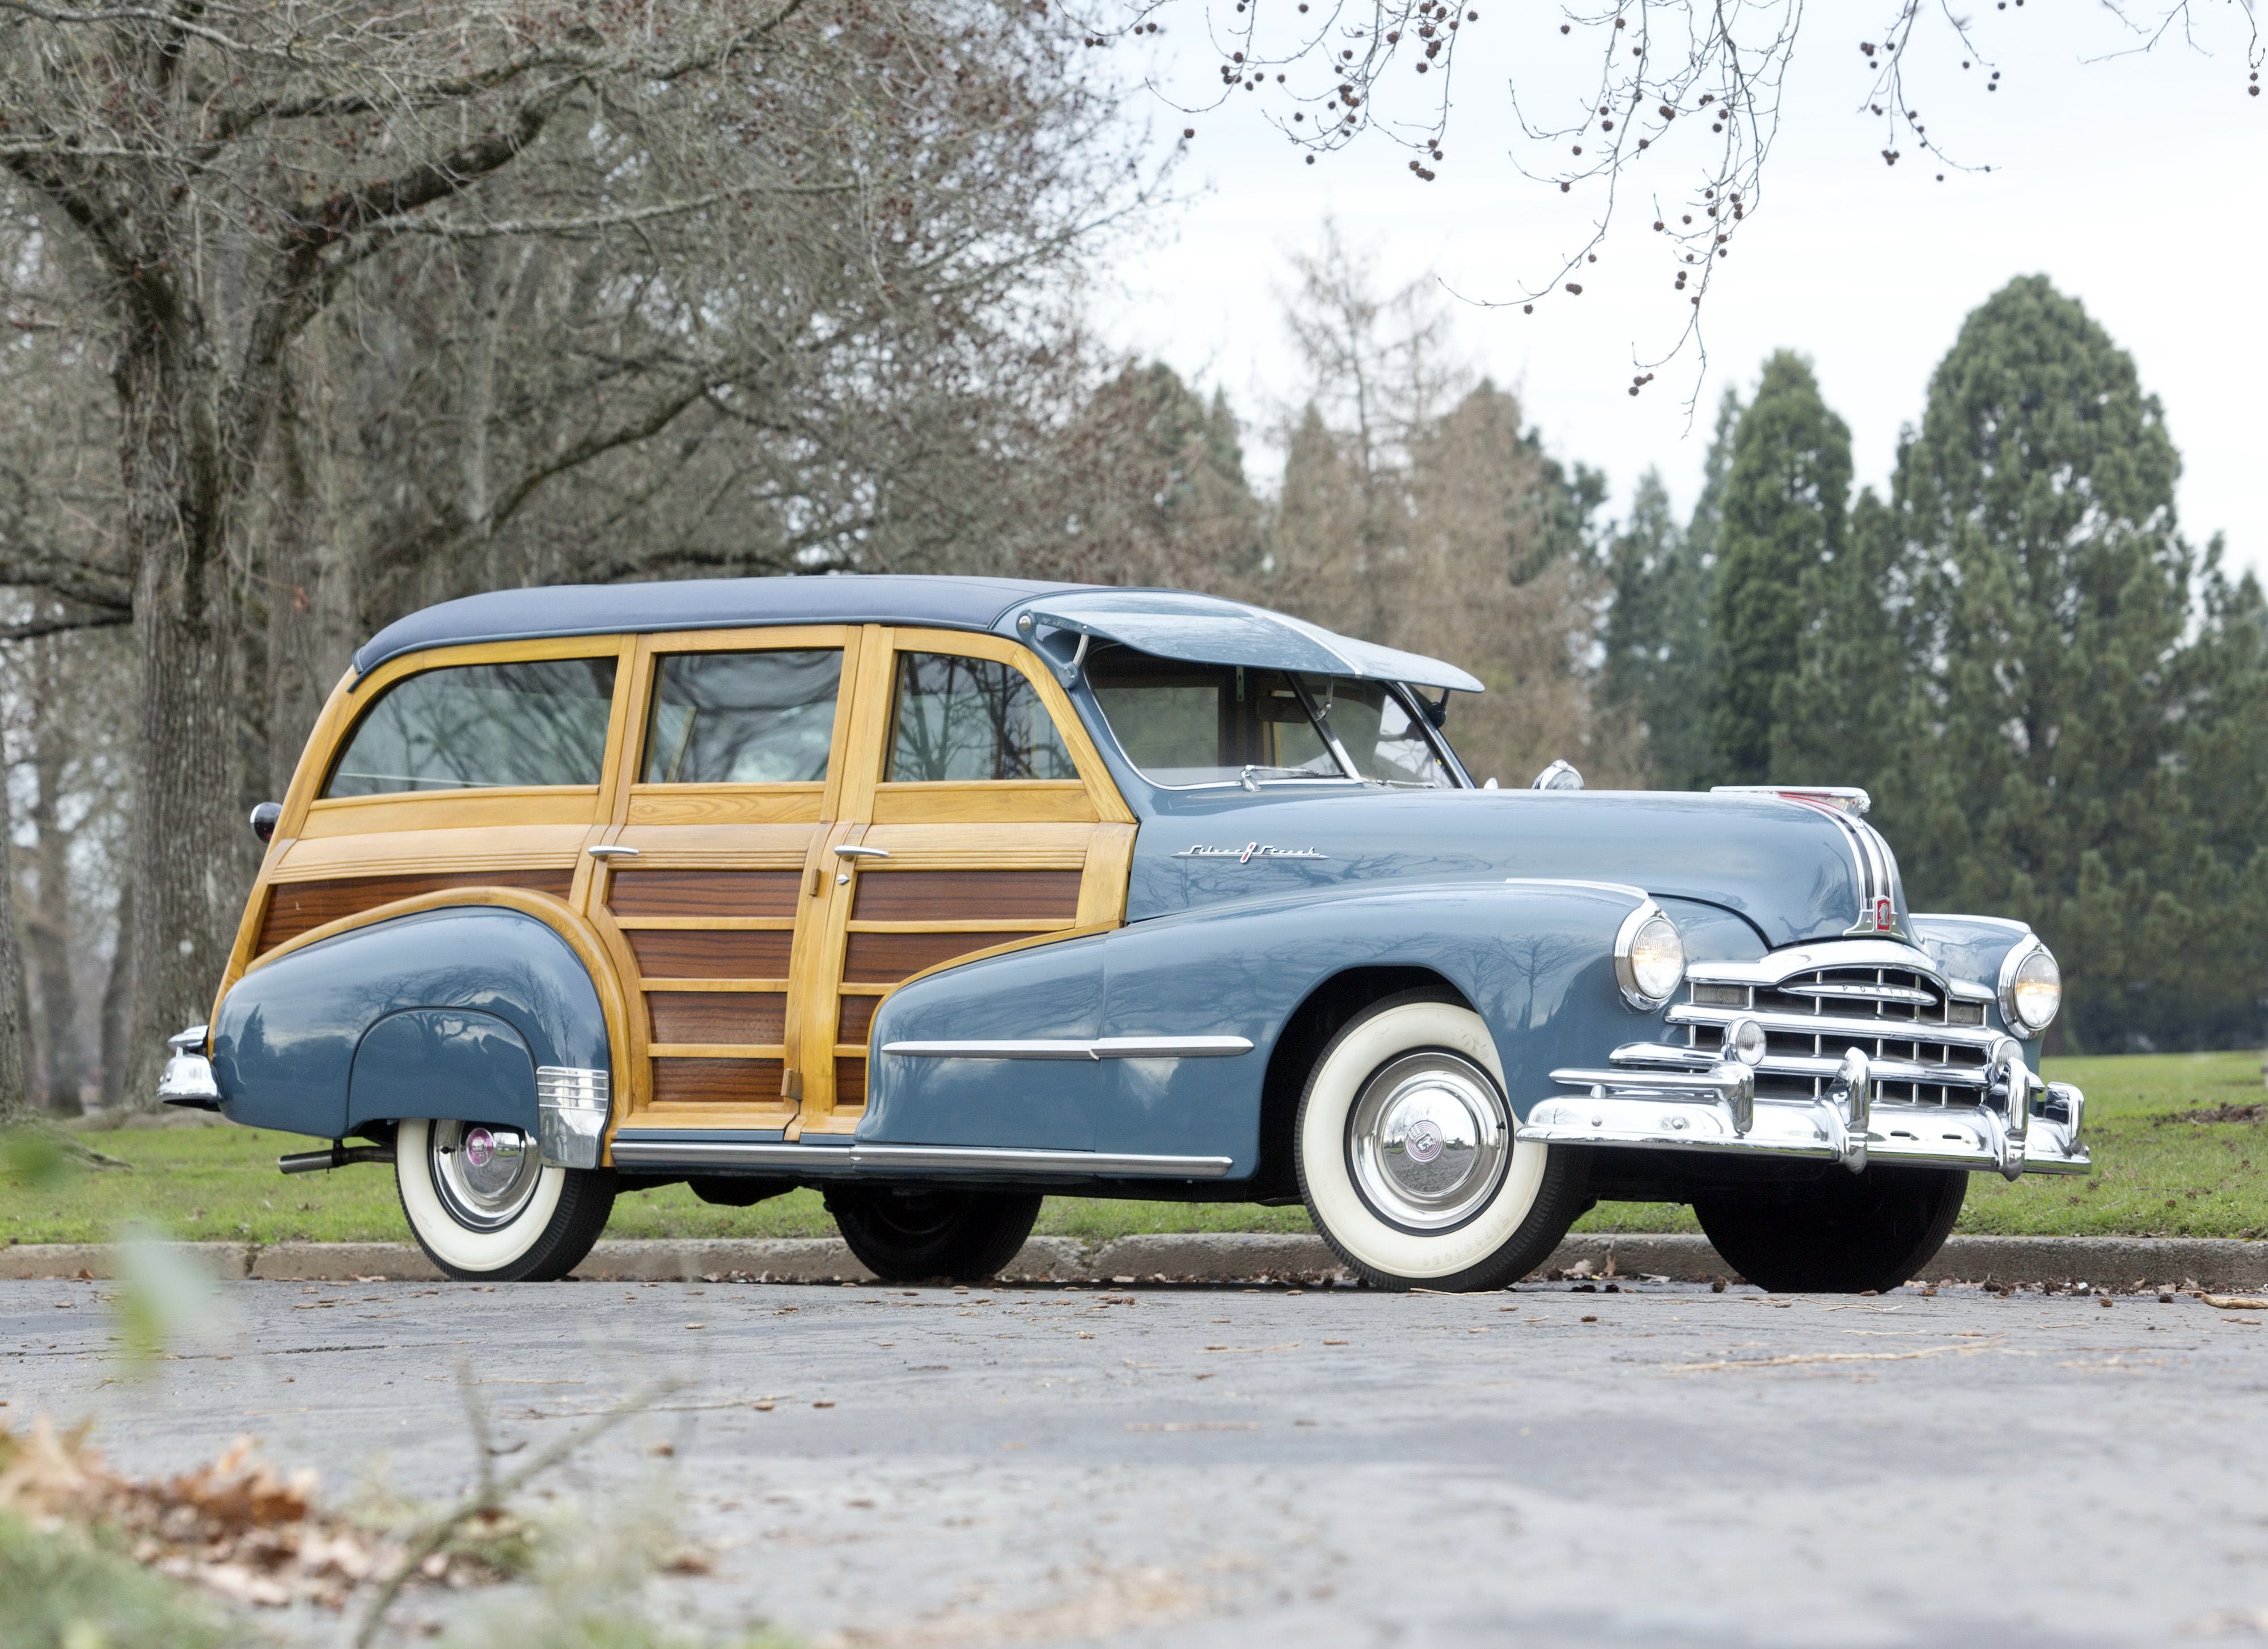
940,895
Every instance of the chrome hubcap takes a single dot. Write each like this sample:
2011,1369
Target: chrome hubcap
1428,1140
485,1175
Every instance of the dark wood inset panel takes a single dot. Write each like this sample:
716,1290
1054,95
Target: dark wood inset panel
858,1019
887,957
297,907
717,1016
850,1082
693,953
717,1082
703,893
886,895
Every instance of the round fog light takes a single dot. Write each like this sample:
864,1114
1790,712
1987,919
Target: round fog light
1744,1040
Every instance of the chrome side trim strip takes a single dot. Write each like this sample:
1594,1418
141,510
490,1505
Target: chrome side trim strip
1101,1048
630,1151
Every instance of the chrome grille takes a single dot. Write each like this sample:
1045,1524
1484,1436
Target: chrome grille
1937,1044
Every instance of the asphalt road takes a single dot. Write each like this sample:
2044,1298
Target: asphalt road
1661,1466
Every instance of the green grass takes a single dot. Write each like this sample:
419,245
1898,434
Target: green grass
2152,1178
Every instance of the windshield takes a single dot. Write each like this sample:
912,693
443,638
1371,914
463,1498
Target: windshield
1186,724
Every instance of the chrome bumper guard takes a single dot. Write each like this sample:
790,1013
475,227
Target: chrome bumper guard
187,1077
1712,1105
572,1106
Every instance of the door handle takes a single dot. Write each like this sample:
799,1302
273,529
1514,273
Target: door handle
850,851
605,851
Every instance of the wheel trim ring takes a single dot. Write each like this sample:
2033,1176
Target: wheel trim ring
1420,1108
472,1205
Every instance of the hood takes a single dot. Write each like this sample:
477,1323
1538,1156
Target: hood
1794,871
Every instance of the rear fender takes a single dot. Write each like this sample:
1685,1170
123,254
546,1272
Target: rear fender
446,1013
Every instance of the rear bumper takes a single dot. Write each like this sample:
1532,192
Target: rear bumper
187,1077
1717,1109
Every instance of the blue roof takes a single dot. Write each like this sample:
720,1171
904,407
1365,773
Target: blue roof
1173,623
611,609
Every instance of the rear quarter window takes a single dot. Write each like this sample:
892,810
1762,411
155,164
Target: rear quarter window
480,726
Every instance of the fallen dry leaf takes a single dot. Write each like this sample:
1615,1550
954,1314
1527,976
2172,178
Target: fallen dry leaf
2236,1302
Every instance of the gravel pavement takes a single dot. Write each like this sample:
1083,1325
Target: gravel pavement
1660,1465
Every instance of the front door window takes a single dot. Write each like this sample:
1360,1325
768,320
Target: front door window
961,718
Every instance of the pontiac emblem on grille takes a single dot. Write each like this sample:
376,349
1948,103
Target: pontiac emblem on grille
1249,852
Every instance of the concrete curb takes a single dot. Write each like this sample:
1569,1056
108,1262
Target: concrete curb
2223,1265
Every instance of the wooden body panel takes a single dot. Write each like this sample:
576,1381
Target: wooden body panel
295,907
744,958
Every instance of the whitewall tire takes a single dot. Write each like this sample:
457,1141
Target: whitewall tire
1407,1159
485,1209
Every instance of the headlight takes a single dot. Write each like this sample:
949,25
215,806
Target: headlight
2031,988
1649,958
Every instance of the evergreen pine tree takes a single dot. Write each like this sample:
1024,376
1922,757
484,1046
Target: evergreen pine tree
1785,508
1657,635
2052,592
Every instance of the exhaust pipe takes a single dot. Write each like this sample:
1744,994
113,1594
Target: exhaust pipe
338,1156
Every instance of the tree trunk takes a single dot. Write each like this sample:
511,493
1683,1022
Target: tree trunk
47,923
185,845
118,1002
15,1088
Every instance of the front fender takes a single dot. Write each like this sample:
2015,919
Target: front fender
446,1013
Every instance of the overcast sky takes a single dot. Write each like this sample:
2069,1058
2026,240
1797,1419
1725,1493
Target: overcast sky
2137,184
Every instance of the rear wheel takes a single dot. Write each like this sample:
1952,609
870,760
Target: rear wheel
1408,1159
910,1235
486,1209
1842,1233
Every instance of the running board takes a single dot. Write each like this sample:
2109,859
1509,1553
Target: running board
633,1149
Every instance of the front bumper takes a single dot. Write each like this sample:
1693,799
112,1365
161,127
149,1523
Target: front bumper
187,1077
1715,1107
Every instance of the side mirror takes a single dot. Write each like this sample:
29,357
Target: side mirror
264,820
1437,710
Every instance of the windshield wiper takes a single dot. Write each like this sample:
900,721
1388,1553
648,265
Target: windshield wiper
1248,776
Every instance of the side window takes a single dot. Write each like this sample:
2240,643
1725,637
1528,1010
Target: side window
742,718
477,726
971,718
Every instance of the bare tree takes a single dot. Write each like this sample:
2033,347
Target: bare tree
1671,108
211,180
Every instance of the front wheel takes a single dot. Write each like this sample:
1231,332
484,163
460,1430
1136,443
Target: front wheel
486,1209
1842,1233
908,1235
1408,1159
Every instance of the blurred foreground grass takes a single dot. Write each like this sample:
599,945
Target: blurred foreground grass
2153,1177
